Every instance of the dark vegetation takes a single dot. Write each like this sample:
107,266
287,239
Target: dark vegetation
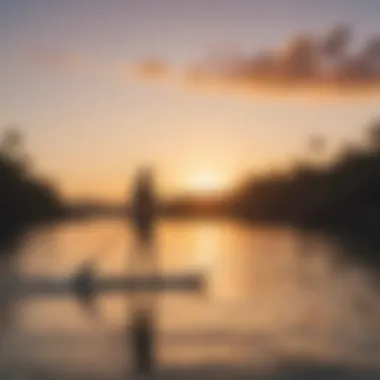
345,194
25,199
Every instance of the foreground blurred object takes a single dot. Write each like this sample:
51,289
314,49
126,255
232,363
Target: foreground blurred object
86,284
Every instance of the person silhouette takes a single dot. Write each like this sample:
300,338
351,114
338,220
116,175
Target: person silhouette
144,205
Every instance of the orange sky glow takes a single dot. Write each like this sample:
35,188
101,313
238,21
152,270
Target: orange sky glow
205,97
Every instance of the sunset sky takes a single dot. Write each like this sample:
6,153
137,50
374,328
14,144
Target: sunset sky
75,76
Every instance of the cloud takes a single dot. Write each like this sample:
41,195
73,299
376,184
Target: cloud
55,60
305,62
314,64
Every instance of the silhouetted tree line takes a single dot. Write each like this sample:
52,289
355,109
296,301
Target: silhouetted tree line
196,206
344,194
25,199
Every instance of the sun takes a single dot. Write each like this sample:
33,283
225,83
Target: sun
205,182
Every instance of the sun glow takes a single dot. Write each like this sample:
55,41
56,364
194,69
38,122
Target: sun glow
205,182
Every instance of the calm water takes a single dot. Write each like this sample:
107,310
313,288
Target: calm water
272,294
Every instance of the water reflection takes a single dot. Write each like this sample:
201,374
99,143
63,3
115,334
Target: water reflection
274,294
